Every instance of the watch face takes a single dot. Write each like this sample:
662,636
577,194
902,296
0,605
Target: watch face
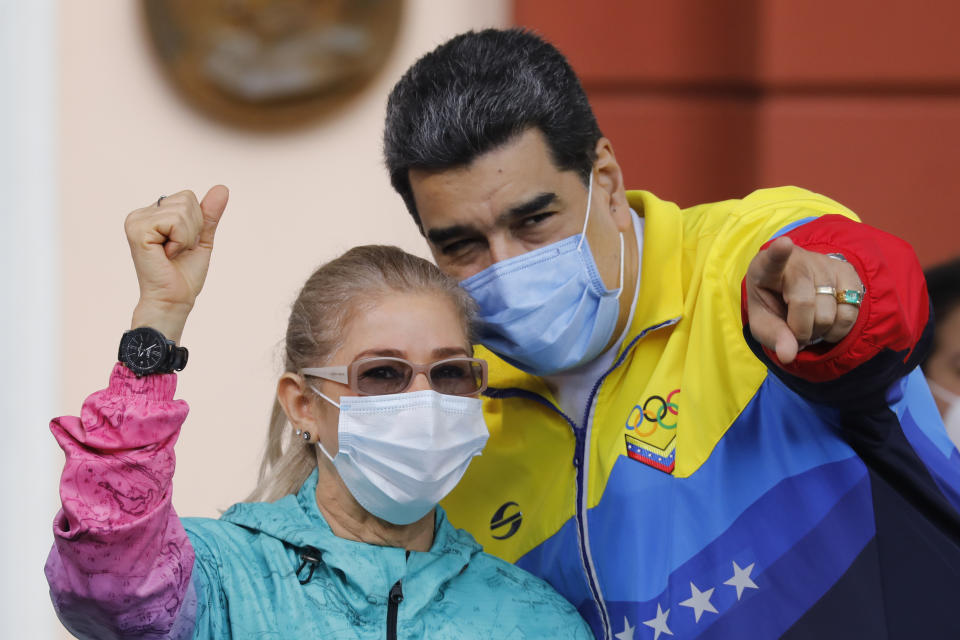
144,351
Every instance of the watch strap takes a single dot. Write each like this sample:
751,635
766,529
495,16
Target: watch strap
176,358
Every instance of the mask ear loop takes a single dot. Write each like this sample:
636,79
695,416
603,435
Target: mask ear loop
620,290
583,232
325,397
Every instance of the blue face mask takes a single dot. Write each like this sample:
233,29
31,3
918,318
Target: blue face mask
547,310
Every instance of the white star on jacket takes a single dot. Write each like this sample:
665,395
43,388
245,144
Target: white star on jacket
699,601
741,579
627,633
659,624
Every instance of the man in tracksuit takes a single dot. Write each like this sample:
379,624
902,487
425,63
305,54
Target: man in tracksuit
704,422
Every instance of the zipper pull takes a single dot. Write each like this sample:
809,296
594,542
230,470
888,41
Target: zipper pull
578,449
393,606
396,592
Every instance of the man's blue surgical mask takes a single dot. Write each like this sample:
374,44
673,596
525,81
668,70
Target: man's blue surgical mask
547,310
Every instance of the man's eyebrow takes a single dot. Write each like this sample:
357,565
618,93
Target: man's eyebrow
442,234
532,205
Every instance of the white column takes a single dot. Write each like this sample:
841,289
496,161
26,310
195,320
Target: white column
29,319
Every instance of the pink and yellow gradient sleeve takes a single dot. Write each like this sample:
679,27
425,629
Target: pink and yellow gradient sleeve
121,561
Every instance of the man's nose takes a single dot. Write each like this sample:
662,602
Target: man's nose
503,247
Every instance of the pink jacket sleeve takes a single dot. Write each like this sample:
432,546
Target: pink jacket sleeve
121,562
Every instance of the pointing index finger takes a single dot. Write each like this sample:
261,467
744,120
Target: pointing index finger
772,262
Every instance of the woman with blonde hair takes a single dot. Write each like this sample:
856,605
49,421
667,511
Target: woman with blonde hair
376,419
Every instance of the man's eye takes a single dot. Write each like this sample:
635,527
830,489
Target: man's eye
534,220
458,247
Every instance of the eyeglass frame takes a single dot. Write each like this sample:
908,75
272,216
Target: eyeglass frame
347,374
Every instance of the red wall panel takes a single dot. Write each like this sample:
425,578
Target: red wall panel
627,41
848,44
894,160
709,100
663,140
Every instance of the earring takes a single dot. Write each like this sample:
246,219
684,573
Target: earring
306,436
299,431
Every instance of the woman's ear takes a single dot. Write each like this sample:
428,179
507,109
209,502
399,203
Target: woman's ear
299,405
610,179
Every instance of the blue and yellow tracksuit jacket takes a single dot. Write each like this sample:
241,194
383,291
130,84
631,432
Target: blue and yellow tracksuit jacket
708,492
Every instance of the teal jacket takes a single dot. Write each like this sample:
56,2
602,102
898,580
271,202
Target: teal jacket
124,565
246,582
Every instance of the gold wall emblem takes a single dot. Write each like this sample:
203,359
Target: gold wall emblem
269,64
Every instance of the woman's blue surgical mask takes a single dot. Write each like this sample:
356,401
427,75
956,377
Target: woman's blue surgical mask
547,310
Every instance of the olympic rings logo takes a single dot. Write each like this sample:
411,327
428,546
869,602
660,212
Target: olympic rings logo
655,410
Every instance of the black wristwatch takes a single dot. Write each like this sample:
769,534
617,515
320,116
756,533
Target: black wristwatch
145,350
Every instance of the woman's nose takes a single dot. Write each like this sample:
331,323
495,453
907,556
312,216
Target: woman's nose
419,382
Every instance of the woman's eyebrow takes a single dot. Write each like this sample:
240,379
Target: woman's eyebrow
388,352
443,352
382,352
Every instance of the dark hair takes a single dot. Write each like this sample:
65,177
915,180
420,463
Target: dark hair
943,285
478,91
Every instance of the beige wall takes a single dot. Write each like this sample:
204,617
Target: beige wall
297,199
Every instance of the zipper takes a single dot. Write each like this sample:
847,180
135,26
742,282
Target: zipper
583,475
581,463
393,607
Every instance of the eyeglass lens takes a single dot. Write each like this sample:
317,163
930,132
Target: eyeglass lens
456,376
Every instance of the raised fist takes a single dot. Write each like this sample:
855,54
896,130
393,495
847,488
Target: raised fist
171,241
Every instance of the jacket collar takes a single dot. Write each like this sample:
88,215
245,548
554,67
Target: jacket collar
660,299
370,569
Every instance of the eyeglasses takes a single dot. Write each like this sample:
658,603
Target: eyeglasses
382,376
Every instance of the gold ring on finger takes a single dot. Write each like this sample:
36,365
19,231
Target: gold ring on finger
849,296
827,290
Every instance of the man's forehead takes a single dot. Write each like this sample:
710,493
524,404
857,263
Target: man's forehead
479,211
499,179
482,201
